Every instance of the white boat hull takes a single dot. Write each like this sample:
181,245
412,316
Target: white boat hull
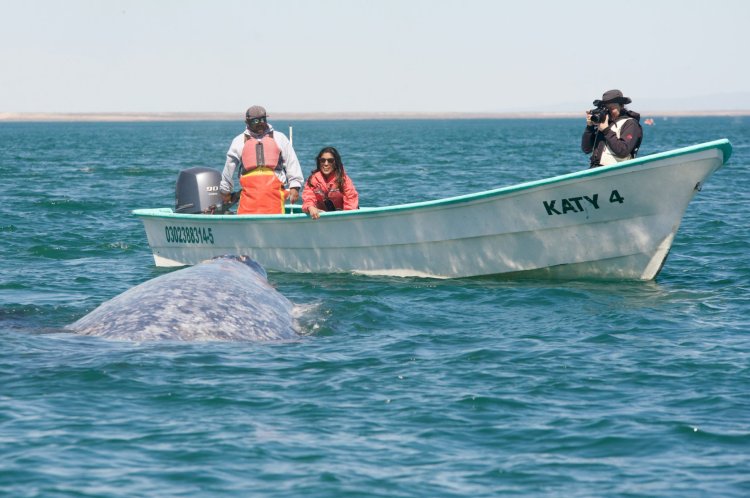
611,222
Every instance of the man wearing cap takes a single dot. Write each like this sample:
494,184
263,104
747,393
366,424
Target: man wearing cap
267,163
614,137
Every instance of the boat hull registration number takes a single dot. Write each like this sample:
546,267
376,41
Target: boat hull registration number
189,235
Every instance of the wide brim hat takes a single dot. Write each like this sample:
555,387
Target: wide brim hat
612,97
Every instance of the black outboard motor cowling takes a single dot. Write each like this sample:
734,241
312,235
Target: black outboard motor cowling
197,191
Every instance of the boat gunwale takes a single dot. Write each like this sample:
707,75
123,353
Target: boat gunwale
722,144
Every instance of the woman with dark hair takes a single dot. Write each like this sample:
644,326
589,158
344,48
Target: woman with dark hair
329,188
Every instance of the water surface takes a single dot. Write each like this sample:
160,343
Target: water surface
400,387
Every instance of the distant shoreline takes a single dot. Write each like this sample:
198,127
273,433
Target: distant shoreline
317,116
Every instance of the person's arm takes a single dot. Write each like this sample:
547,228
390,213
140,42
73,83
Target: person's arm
309,201
308,197
589,135
292,167
351,196
630,135
234,155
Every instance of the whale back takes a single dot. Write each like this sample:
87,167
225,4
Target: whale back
226,299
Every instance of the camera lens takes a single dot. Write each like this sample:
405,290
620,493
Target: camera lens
598,115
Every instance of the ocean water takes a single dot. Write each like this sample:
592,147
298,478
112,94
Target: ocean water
399,387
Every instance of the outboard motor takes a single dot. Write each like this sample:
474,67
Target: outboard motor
197,191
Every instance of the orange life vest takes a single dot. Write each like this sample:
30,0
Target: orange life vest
262,191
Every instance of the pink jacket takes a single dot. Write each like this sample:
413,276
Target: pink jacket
323,189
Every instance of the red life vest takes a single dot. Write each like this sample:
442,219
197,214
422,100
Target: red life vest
327,189
257,153
262,191
334,195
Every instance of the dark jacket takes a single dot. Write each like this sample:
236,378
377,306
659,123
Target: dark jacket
627,145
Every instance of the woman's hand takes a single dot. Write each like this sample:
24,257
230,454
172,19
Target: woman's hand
314,212
604,124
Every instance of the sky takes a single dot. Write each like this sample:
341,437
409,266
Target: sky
371,56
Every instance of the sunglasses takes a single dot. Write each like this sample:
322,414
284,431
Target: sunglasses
324,160
255,121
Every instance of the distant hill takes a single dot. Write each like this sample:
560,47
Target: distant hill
730,102
717,104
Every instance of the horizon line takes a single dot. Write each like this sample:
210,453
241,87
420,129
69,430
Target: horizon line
323,116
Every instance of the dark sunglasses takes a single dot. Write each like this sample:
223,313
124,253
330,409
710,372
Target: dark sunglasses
255,121
324,160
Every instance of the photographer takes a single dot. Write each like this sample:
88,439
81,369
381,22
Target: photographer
612,132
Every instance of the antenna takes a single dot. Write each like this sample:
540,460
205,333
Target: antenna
291,143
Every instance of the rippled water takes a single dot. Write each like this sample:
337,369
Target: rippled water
400,387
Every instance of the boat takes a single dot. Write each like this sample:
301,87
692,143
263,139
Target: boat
610,222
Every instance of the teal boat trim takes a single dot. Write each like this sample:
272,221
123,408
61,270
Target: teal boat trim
721,144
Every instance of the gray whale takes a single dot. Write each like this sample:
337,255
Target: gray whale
223,299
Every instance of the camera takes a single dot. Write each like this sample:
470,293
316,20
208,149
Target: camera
598,114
